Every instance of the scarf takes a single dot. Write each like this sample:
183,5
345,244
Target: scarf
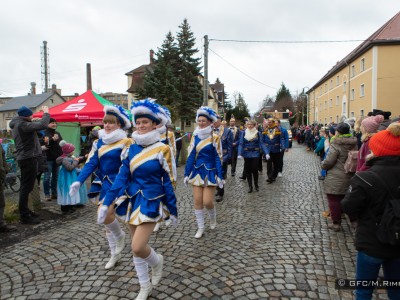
203,133
146,139
161,130
112,137
250,134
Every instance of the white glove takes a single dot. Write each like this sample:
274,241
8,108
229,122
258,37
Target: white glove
186,180
44,148
74,188
101,214
221,183
267,157
240,157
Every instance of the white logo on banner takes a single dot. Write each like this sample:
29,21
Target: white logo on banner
76,106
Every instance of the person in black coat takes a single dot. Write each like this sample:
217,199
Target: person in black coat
52,139
367,197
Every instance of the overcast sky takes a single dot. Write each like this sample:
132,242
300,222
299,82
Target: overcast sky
116,36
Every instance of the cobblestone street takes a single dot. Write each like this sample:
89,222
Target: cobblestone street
271,244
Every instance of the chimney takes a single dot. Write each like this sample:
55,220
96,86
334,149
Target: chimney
88,77
33,88
151,56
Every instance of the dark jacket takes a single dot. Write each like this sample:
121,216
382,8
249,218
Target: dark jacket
26,139
226,141
366,199
337,181
53,148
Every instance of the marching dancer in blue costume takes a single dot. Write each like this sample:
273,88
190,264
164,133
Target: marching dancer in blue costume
143,191
204,167
226,138
105,160
168,138
275,142
250,145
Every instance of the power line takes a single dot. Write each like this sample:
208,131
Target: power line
252,78
287,42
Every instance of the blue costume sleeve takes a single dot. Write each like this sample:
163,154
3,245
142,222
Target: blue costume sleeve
91,164
120,182
169,193
230,141
240,148
320,145
218,164
286,138
264,148
191,157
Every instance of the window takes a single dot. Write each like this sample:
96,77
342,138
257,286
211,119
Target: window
188,123
344,108
344,86
331,84
337,100
352,114
352,94
330,103
326,87
325,106
362,113
362,91
353,70
337,119
325,121
337,80
330,119
362,65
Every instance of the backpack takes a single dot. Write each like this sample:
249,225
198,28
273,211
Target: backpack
350,166
388,227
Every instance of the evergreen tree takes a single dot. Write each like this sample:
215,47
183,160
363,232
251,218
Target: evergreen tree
162,82
284,99
240,110
189,84
174,77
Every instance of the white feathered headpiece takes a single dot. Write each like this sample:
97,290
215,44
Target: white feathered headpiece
120,113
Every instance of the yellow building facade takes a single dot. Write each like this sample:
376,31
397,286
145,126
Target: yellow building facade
366,79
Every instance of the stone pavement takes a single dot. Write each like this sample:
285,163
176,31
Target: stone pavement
271,244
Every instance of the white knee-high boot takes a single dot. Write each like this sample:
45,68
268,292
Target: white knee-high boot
200,222
119,235
155,261
212,213
112,243
142,272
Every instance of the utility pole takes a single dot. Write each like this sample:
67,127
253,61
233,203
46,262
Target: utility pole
88,77
205,84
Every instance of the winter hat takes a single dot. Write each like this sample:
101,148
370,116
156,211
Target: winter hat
332,130
120,113
148,108
62,143
343,128
52,120
68,148
207,112
386,142
23,111
371,124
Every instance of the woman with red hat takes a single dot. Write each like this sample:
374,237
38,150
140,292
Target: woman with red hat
368,195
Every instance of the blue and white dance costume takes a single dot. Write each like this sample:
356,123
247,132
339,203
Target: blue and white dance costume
105,160
143,190
204,163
